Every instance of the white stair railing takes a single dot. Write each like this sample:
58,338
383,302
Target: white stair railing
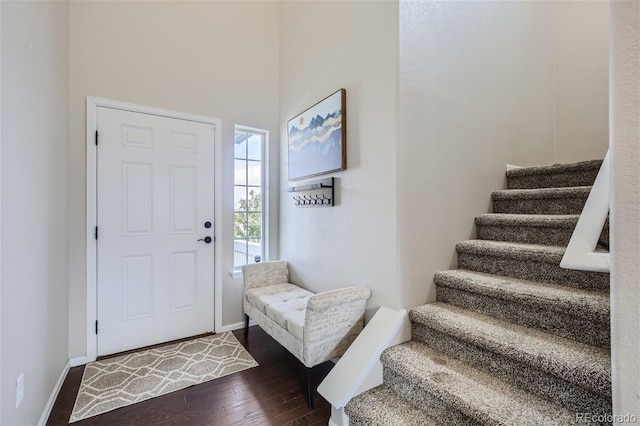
581,252
360,369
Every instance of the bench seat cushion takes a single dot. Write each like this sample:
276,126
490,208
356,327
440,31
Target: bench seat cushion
293,320
285,304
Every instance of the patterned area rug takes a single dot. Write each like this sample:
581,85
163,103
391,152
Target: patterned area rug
124,380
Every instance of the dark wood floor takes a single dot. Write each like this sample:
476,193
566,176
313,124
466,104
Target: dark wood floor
271,394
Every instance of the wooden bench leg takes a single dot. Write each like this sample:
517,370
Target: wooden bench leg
246,325
309,388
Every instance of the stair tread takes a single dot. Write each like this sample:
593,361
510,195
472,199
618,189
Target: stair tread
541,193
555,168
481,396
382,406
522,251
575,362
563,299
537,220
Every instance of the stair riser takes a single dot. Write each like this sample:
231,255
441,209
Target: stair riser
534,271
531,379
583,330
531,234
571,205
555,180
446,413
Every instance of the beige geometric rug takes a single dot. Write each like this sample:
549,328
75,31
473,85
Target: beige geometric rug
117,382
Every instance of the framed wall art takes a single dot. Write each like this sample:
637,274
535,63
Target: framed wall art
318,138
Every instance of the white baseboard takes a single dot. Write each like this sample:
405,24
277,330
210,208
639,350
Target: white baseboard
74,362
54,395
236,326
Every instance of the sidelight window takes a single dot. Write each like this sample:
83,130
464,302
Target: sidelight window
249,196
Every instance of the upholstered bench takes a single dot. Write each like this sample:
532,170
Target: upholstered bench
313,327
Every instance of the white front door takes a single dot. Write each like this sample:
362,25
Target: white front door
155,206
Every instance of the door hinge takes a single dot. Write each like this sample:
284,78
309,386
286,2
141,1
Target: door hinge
96,137
96,326
96,234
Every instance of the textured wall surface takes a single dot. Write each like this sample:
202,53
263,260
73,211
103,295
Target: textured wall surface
625,207
325,46
581,80
476,92
35,54
484,84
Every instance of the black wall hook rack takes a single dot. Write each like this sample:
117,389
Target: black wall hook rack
322,195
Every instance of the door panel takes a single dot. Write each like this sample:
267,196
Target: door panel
137,287
184,284
184,199
155,192
137,198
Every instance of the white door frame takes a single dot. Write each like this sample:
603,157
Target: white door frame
92,179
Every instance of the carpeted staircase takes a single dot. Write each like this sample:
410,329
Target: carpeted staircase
513,339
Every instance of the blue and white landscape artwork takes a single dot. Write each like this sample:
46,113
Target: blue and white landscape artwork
315,139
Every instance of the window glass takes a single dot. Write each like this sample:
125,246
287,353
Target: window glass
241,145
240,176
254,148
254,173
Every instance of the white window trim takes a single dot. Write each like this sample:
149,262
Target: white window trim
236,274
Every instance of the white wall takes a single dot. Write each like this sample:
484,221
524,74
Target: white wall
1,213
325,46
625,205
218,59
581,80
476,92
34,203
